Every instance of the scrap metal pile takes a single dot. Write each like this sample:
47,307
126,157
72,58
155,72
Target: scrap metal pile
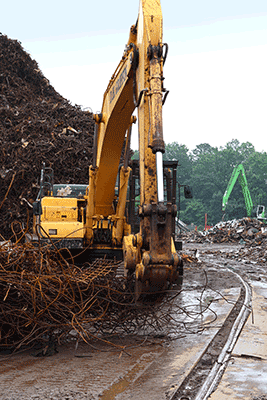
36,125
42,293
244,231
45,296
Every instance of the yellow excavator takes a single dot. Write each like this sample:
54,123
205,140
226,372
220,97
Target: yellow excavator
95,220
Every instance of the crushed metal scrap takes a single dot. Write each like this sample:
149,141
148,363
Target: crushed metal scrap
249,234
36,125
244,231
43,295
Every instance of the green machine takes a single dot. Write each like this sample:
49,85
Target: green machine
239,174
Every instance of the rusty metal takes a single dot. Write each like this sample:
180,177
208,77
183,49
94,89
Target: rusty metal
44,294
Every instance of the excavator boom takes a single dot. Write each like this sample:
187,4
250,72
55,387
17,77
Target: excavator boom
238,174
150,256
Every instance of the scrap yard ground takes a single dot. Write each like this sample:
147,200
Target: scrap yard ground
152,359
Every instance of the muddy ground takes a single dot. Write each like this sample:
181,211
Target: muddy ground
149,365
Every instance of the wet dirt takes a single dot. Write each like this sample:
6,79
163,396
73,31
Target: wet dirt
150,366
246,374
70,374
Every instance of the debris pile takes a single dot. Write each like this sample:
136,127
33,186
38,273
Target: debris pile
251,255
43,295
244,231
36,125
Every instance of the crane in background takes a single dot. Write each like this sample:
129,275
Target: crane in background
239,174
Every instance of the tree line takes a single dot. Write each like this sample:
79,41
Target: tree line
207,170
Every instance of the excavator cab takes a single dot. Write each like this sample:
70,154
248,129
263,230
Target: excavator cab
260,213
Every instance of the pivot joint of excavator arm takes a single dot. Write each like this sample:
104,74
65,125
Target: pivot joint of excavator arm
101,117
158,209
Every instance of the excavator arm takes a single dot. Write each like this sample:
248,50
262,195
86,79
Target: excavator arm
112,123
238,174
93,221
150,255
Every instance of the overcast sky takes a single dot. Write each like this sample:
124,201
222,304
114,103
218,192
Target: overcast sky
216,68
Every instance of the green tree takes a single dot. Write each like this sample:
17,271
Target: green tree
194,213
212,169
207,171
256,172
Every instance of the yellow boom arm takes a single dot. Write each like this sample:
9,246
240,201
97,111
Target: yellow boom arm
137,82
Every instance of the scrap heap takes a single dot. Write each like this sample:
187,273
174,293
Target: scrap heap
41,293
247,235
44,297
244,231
36,125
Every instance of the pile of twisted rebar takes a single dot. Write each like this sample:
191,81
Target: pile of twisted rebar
42,293
45,295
